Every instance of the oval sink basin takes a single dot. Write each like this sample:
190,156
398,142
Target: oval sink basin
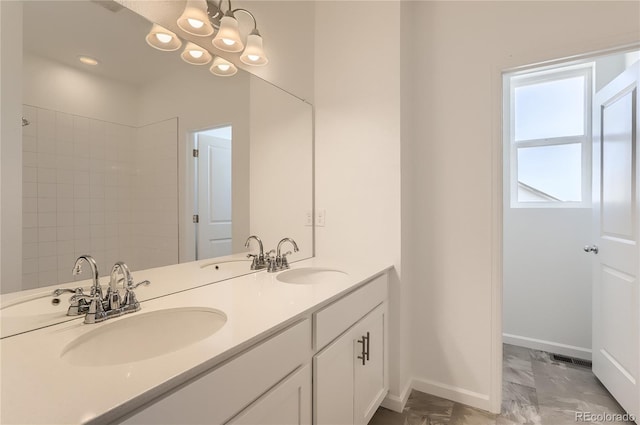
142,336
312,275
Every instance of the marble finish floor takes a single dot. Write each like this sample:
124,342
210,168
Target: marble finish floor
536,390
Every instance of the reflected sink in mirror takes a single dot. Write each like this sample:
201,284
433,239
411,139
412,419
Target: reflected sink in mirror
143,336
32,312
312,276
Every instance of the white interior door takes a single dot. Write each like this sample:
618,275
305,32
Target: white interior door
214,197
616,299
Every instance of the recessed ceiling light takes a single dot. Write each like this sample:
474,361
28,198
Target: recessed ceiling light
88,60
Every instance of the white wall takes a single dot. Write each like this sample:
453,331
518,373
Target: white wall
10,145
547,279
280,154
57,87
201,101
357,106
154,195
456,158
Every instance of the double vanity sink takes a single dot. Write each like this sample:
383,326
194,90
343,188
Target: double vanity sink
119,366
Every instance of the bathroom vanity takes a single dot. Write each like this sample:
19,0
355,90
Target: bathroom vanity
301,346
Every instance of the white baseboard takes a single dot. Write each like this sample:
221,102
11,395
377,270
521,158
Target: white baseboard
457,394
552,347
397,402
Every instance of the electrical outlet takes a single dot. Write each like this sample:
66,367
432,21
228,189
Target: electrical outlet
309,218
321,217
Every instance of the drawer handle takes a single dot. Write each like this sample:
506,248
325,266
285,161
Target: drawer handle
365,348
367,352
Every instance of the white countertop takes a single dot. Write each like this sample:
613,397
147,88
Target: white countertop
39,386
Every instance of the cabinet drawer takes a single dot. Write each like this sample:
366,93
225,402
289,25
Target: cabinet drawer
334,319
224,391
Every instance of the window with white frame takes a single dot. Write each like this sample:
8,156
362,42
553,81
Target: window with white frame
548,128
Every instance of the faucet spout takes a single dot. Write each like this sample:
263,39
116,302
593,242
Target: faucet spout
77,269
282,241
257,239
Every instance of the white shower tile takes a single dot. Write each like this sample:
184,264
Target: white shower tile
65,247
47,278
29,220
29,250
65,234
82,177
65,148
47,205
47,160
47,175
82,246
46,249
29,174
46,144
65,176
65,191
64,126
48,263
47,190
30,281
47,219
29,205
30,190
82,218
82,232
65,219
30,159
47,234
29,266
30,235
29,143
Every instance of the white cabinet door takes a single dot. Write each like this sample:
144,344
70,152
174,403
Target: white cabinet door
289,403
370,387
348,389
333,372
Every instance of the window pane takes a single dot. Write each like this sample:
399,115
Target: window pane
550,173
549,109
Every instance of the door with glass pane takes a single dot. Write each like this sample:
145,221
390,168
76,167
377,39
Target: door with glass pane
616,186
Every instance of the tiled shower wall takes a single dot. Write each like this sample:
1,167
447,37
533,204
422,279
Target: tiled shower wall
80,179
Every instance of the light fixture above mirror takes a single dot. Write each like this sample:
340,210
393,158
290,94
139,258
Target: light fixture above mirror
203,18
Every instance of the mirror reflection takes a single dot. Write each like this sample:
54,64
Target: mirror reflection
131,154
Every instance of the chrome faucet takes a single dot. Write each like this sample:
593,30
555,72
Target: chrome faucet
258,262
281,262
77,269
96,307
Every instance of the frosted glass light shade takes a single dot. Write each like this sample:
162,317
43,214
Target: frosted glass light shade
222,67
195,55
162,39
254,53
194,20
228,37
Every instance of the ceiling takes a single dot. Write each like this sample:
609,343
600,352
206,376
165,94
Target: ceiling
63,30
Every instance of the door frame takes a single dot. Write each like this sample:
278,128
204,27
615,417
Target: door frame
514,63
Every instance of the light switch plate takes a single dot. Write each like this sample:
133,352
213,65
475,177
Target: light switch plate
320,217
309,218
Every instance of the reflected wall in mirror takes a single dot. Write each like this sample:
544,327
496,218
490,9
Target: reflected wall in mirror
108,164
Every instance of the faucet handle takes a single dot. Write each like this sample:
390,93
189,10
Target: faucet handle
132,286
60,291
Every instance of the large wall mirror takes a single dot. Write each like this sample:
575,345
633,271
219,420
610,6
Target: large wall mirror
108,150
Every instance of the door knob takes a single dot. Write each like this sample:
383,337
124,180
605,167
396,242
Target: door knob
592,248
